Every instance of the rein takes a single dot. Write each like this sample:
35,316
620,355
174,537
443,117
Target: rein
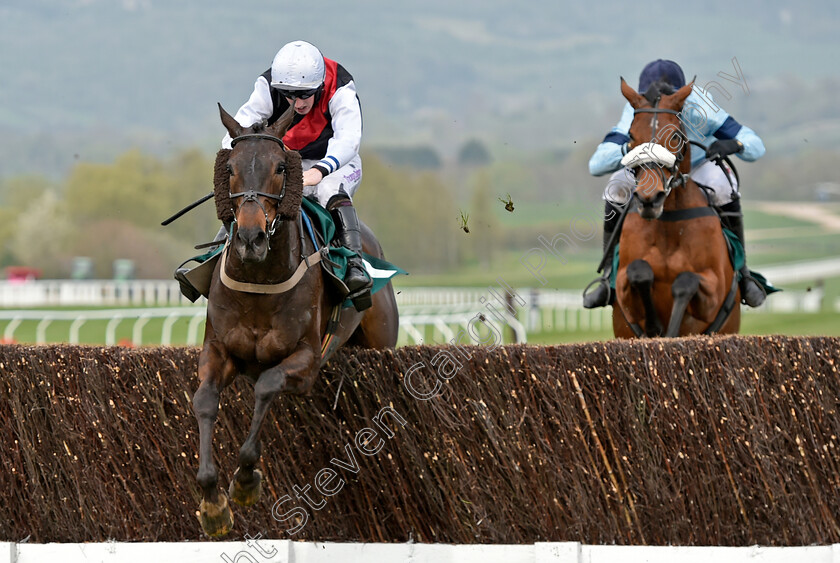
677,178
253,196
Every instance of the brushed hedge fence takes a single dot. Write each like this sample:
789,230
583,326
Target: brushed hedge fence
691,441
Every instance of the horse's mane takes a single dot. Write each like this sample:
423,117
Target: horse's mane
289,206
657,90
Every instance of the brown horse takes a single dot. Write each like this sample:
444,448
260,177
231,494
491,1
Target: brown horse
674,269
268,310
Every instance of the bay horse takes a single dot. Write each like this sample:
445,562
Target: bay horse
268,311
674,275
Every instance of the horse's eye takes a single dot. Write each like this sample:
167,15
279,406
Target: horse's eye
229,169
281,167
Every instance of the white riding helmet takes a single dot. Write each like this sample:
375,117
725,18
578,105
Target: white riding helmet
298,66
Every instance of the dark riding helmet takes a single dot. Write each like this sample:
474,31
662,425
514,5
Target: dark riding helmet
661,70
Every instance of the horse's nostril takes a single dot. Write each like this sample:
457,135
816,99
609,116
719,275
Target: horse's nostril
251,237
258,240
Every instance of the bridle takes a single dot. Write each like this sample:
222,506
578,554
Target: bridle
253,196
677,178
250,196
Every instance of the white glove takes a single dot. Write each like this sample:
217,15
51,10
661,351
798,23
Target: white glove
647,153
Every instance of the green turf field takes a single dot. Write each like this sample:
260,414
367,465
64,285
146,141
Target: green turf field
772,238
93,332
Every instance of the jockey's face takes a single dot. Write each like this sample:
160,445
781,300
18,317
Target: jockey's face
302,106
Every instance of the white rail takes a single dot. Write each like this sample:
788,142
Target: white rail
427,315
444,324
286,551
805,271
70,293
76,319
447,321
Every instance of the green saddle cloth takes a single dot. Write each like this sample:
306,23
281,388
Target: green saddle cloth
737,258
380,271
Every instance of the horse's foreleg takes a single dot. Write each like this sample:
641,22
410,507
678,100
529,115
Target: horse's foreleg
214,512
206,407
683,289
302,366
711,295
640,278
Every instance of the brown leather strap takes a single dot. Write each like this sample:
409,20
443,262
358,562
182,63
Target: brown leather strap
267,289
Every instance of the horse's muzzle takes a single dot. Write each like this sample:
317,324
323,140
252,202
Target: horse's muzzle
651,208
251,244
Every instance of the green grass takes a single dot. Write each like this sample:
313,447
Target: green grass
574,274
577,271
550,214
93,331
808,242
755,219
560,213
795,324
757,323
791,248
752,323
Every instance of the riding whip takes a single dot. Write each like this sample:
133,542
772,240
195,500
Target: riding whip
190,207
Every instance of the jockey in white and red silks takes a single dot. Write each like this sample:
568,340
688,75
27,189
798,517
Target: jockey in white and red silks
326,131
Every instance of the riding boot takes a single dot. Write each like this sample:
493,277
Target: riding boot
602,295
188,290
348,234
752,293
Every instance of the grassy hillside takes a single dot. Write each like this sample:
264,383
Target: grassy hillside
83,80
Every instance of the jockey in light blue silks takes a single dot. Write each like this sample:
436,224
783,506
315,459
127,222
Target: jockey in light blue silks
706,123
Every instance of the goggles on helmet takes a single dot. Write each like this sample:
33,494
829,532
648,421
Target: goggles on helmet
295,94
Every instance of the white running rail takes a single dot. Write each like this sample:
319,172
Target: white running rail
76,319
287,551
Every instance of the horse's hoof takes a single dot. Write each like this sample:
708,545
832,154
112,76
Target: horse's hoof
216,519
246,494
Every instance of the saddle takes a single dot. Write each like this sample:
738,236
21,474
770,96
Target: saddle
318,224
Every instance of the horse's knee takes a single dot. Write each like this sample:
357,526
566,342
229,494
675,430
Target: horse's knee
269,385
206,402
685,285
639,273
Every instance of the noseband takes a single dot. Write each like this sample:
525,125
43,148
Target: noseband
677,178
254,195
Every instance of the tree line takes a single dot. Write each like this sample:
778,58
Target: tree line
113,211
428,219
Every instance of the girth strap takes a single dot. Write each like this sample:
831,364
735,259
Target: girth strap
685,214
267,289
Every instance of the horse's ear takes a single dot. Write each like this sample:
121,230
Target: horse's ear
677,99
282,124
636,100
232,126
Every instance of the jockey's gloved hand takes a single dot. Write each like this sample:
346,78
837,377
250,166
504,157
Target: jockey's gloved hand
722,148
